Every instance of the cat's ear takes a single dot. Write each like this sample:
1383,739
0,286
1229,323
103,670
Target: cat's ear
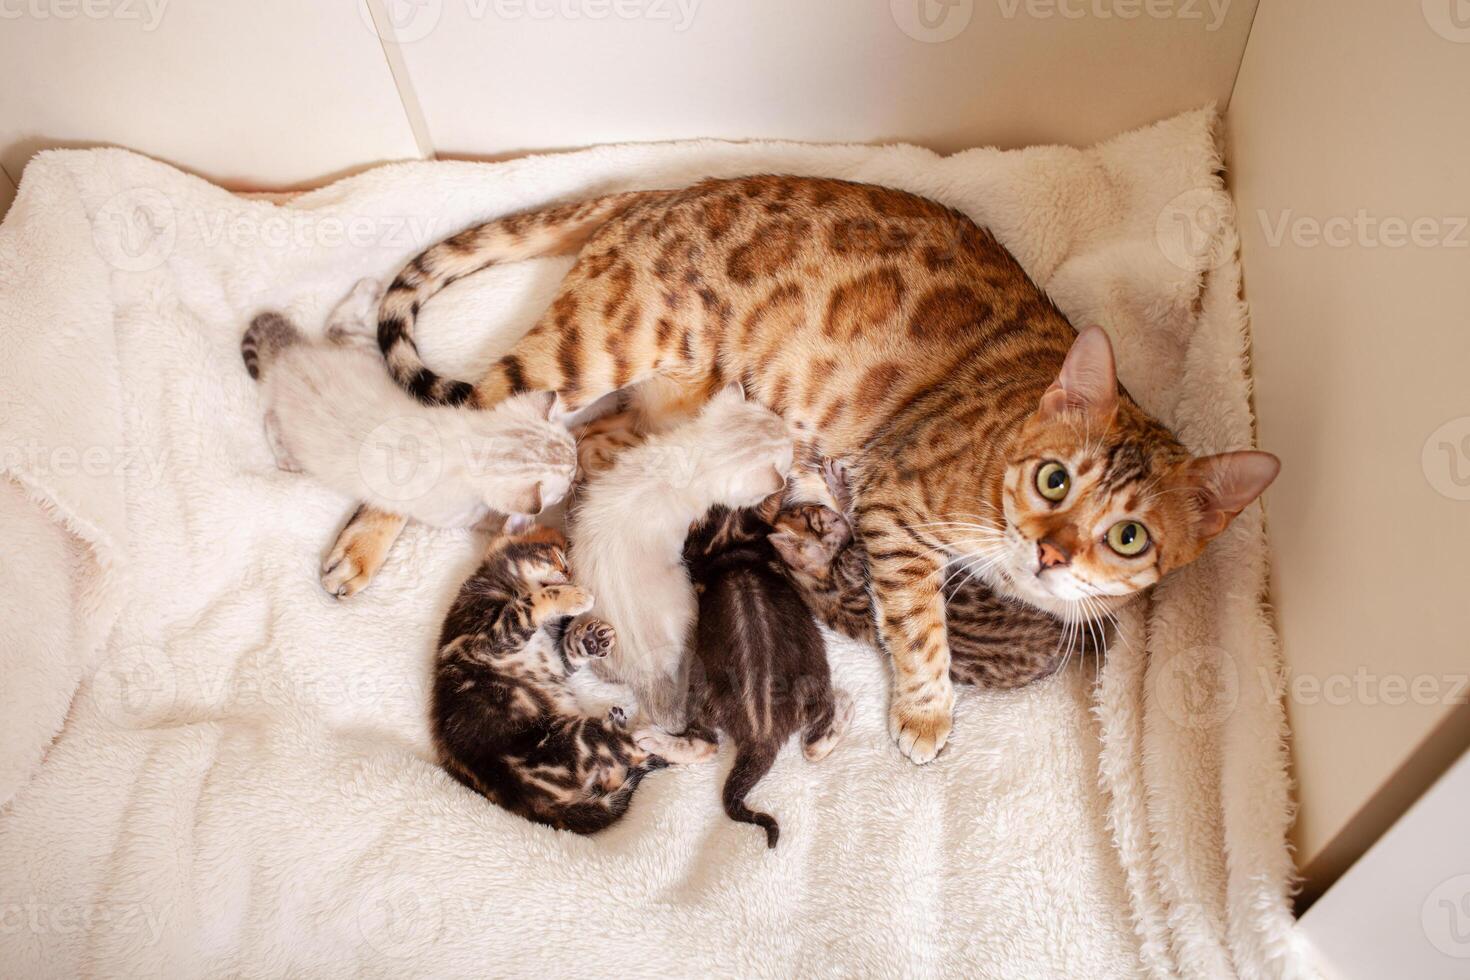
734,390
1226,484
543,402
1088,381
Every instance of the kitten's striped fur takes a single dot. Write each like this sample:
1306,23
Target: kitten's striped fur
759,673
887,329
994,643
504,720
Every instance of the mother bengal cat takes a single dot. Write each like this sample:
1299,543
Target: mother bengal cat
983,435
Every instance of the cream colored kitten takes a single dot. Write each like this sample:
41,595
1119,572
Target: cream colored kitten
628,530
333,412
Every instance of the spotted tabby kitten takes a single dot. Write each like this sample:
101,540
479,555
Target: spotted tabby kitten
888,330
504,720
760,670
994,643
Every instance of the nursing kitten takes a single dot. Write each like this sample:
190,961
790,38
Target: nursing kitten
628,529
760,672
504,721
333,412
994,643
884,328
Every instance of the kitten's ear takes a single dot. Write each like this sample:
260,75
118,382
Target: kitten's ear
734,390
1088,381
767,509
544,402
1227,483
794,551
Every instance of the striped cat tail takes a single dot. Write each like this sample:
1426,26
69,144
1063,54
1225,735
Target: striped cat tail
528,235
269,334
751,764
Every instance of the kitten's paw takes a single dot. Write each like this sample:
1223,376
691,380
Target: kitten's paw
677,749
920,726
822,746
553,601
360,550
617,716
342,576
594,638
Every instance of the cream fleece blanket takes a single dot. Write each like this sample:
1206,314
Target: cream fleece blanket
210,767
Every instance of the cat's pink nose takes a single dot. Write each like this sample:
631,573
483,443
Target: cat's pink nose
1050,554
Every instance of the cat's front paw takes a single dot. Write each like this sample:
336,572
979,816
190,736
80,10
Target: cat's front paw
360,550
342,574
594,638
921,726
617,717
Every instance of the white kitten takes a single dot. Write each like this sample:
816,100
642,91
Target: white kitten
628,530
332,411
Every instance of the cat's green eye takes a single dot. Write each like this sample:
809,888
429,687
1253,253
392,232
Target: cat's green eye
1052,481
1128,538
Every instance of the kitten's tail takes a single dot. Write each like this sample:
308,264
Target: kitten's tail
751,764
529,235
268,335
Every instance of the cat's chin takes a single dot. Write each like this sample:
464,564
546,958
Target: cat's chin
1061,602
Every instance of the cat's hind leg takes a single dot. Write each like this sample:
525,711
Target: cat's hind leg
678,749
353,321
826,728
282,452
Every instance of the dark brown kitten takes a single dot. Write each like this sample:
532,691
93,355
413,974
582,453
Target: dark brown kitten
504,720
994,642
759,672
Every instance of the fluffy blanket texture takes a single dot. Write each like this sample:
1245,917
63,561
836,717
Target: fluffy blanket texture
208,766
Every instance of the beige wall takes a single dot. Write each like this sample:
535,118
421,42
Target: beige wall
264,92
494,78
1349,124
260,93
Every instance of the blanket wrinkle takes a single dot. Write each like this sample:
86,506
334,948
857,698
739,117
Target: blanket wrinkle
208,766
